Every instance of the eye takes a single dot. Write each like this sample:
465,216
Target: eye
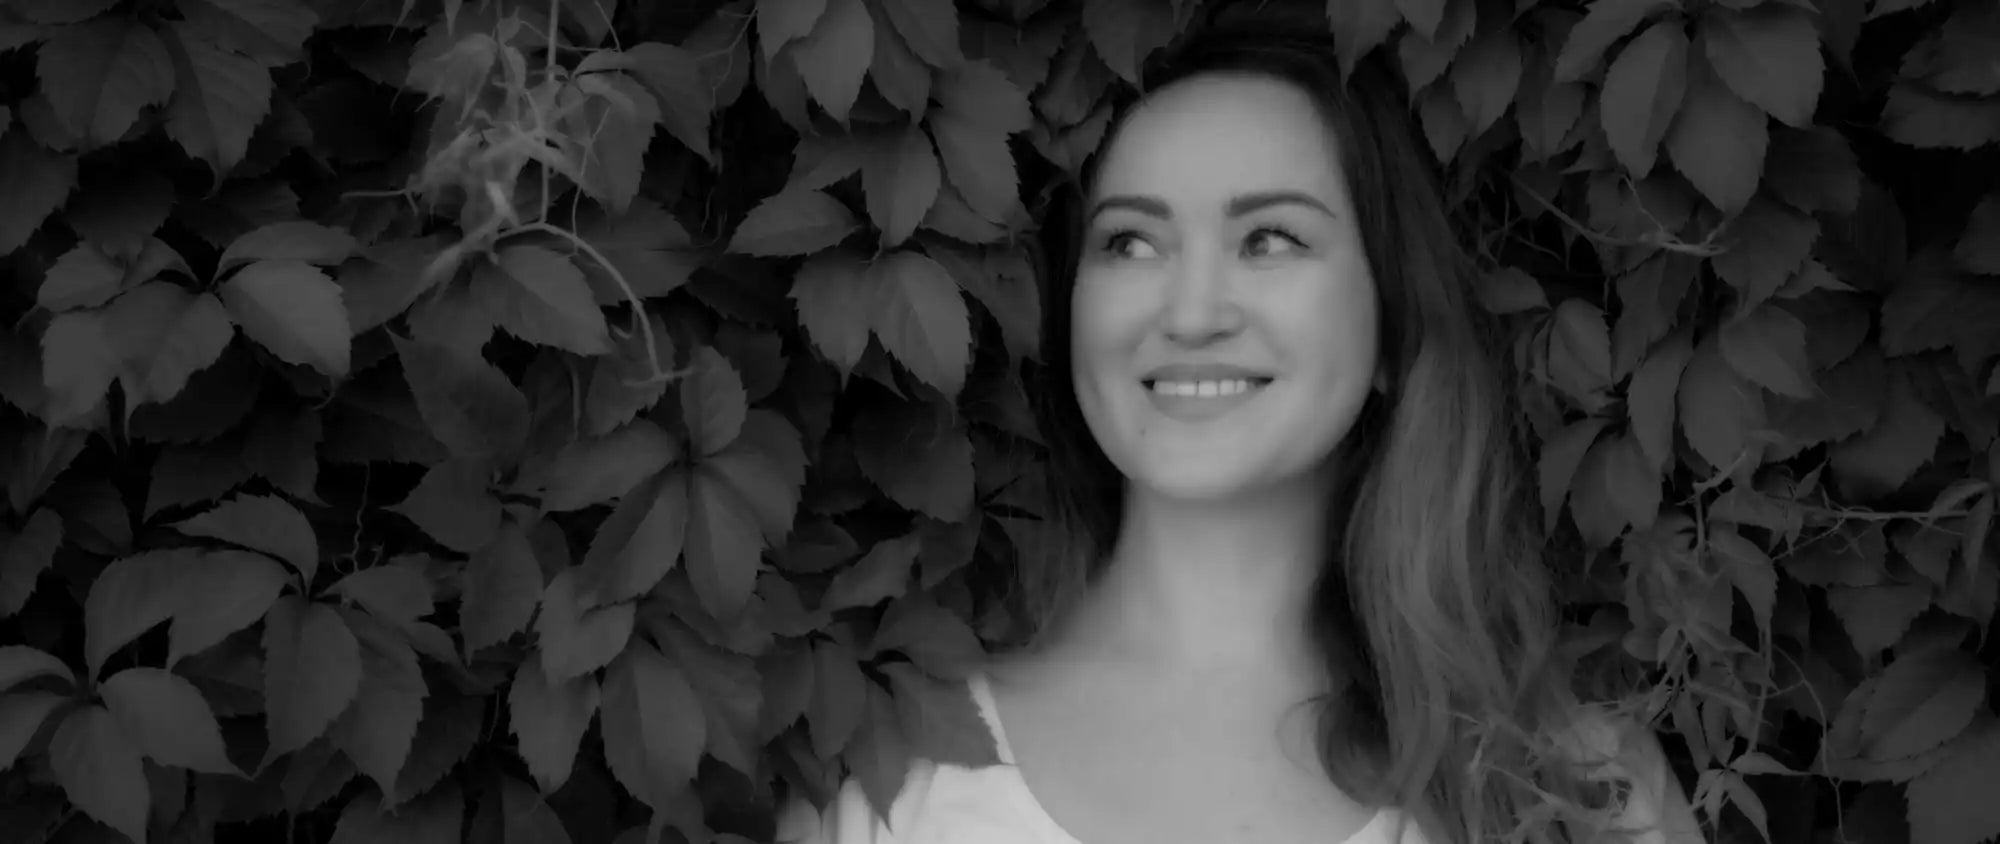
1269,241
1129,244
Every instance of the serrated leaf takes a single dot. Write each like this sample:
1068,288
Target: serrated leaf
1649,398
780,22
1643,91
98,766
392,592
99,75
1359,26
793,222
1926,119
295,240
834,58
1125,32
1948,804
435,818
1614,487
20,663
1003,281
831,293
978,163
84,277
1605,23
901,178
221,592
1487,75
1427,53
611,116
1813,170
467,403
931,29
675,76
312,671
270,31
920,462
219,99
1768,346
839,698
880,574
1769,55
936,639
502,586
766,465
1876,616
548,722
724,544
900,76
1924,699
654,728
638,544
1933,306
1718,140
379,728
294,310
35,181
1579,350
454,504
1978,247
941,719
921,319
541,297
1767,244
1750,570
21,718
1903,439
575,640
79,363
168,719
163,335
24,555
598,469
880,752
129,597
261,523
1719,410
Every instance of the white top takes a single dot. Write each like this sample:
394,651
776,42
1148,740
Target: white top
951,804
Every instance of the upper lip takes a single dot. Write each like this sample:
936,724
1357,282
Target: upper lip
1182,372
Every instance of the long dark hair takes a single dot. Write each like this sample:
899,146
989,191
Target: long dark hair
1435,607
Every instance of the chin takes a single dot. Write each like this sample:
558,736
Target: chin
1194,482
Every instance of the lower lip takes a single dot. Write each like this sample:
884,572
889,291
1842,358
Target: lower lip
1200,408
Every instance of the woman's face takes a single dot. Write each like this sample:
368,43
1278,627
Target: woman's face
1224,317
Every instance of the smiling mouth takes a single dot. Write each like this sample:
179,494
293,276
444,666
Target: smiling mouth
1206,388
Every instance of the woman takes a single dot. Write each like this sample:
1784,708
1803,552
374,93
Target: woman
1303,606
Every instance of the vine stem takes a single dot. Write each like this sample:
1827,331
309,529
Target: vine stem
1666,242
655,373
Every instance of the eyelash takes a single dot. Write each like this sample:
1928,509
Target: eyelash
1112,241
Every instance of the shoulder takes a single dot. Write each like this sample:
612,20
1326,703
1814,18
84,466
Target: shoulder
1609,747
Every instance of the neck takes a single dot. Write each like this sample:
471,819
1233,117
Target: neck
1196,589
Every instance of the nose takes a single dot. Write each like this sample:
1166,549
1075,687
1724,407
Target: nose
1200,306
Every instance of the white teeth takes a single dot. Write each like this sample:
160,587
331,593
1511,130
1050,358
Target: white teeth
1203,389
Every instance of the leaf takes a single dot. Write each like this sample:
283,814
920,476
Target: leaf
831,294
1359,26
164,334
23,558
921,319
97,765
1605,23
219,99
1649,398
1719,410
436,818
1979,246
1950,803
270,31
1768,55
901,178
1814,170
1718,140
502,587
295,311
931,29
882,573
978,163
312,671
941,719
793,222
1750,570
35,181
1902,440
294,240
261,523
835,57
654,729
638,544
1486,77
469,405
548,722
21,718
20,663
782,21
378,730
646,245
675,76
1579,350
1126,31
712,401
99,75
724,544
766,466
168,719
1642,93
576,641
839,701
129,597
220,592
1933,306
1614,487
1876,616
453,504
84,277
611,116
598,469
79,362
1768,346
392,592
880,753
1925,698
1767,244
1922,118
936,639
1003,281
540,297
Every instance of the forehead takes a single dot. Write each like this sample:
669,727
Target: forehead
1209,137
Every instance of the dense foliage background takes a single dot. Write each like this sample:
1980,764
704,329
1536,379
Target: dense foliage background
425,423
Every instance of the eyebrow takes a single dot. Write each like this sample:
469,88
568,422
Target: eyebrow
1238,206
